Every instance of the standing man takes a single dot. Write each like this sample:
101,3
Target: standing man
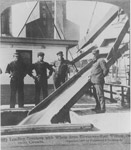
17,72
98,72
41,77
0,71
61,70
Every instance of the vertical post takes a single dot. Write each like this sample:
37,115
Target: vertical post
55,33
111,95
122,96
1,25
67,48
53,23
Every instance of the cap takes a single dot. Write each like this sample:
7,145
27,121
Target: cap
16,54
95,51
60,53
40,54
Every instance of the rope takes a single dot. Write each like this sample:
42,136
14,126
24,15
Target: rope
91,17
53,23
27,19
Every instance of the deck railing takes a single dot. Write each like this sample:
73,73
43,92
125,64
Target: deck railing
122,92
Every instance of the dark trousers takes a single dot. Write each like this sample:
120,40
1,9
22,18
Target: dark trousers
17,85
99,96
41,84
58,81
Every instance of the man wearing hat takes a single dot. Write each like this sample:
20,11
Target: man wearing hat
17,71
41,77
61,70
98,72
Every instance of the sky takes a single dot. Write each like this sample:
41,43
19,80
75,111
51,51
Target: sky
79,12
20,13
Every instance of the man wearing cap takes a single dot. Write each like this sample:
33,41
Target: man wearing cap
17,71
98,72
61,70
41,77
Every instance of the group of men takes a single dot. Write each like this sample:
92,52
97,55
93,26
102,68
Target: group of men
17,71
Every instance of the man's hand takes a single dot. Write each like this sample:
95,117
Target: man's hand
34,77
76,70
89,78
10,75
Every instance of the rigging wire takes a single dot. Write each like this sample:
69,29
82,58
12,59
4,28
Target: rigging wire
53,23
27,19
92,17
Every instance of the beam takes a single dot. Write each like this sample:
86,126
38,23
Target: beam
88,51
89,38
118,54
9,130
118,41
36,41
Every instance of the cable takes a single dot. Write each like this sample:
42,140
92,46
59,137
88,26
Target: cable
53,23
27,19
91,17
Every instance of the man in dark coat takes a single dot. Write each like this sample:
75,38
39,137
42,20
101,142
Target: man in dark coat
17,72
0,71
41,77
98,72
61,70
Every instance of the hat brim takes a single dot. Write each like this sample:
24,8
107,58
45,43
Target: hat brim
59,53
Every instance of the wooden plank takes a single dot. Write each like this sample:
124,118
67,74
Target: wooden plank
118,41
118,85
36,41
119,53
110,92
9,130
88,51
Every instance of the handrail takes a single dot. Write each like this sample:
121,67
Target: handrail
122,94
119,85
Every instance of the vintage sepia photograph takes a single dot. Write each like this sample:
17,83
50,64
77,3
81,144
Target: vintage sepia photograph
65,75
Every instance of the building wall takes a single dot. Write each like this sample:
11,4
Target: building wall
60,15
44,26
6,23
67,29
